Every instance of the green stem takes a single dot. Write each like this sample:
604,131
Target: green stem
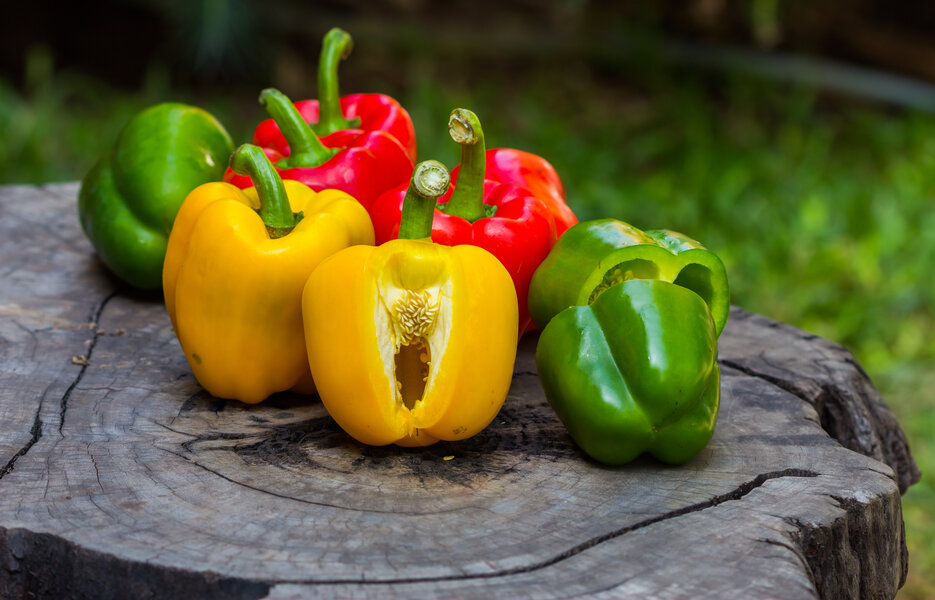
275,211
467,201
430,180
335,47
305,149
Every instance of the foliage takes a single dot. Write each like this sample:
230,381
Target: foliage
906,392
59,123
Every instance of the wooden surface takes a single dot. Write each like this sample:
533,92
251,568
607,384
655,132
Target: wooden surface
120,478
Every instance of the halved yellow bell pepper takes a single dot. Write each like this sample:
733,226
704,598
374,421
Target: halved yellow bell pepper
412,342
235,267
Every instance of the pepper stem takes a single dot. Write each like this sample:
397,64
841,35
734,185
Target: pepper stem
467,201
335,47
275,211
430,180
305,149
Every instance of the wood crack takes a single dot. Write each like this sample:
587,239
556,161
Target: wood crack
32,335
850,409
93,321
35,432
795,552
820,403
97,471
735,494
738,366
832,409
891,475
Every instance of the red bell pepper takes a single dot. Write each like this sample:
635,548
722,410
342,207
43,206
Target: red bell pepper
507,165
506,220
331,113
362,163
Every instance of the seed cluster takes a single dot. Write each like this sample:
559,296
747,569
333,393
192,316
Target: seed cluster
415,316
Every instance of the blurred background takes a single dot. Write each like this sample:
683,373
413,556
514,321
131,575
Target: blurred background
796,138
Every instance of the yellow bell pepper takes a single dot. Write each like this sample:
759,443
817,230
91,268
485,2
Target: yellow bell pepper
233,278
412,342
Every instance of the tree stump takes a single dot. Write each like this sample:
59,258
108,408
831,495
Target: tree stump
120,477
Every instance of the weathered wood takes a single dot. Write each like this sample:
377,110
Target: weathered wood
120,477
826,376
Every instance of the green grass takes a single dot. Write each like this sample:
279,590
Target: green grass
905,390
822,211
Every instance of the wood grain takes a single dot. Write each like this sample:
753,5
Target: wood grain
122,478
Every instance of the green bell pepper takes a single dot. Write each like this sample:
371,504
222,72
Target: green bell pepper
635,371
594,255
128,200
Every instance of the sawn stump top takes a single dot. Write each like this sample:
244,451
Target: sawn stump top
120,477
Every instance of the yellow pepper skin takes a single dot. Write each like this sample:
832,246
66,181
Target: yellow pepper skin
411,342
234,293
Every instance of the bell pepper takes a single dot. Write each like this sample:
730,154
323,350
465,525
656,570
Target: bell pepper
412,342
235,268
362,163
504,219
527,170
595,255
129,198
635,371
332,112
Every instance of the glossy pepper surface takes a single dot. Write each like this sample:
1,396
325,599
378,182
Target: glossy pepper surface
506,220
635,371
594,255
536,174
412,342
129,198
354,114
235,269
362,164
